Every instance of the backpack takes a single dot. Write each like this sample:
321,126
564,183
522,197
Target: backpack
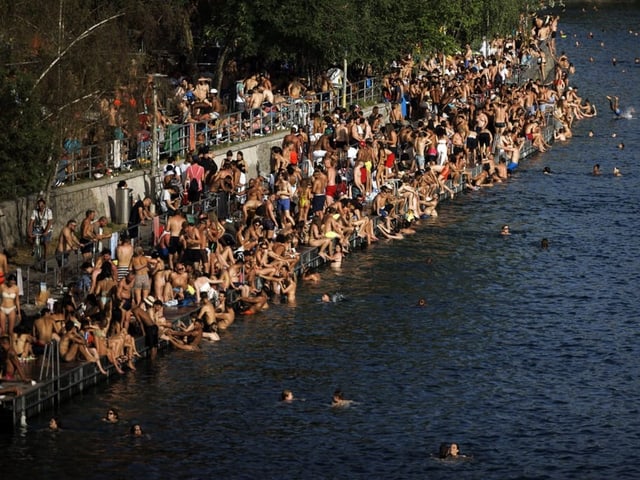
194,188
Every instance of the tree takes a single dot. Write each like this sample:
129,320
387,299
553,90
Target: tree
26,139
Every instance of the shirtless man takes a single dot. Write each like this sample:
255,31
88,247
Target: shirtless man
293,137
125,290
255,101
420,143
225,314
193,243
255,196
295,88
46,329
87,235
178,283
188,339
331,191
255,304
341,139
318,189
149,328
66,243
323,147
500,116
251,82
379,206
73,343
124,254
207,315
175,224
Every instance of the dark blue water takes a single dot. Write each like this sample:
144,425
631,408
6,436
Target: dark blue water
528,358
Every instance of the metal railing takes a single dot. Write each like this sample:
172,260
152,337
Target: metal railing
82,162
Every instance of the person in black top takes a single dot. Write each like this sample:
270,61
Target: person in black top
139,214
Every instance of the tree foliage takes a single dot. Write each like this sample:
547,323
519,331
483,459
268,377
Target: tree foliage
65,58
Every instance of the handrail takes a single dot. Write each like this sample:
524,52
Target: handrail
81,162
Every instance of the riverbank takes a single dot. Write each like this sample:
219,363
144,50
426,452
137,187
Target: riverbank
57,382
482,172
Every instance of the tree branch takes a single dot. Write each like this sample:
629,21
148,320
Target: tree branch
82,36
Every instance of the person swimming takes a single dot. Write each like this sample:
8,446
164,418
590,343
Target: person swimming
505,230
338,400
614,105
55,425
286,396
616,172
546,171
112,416
544,244
336,297
596,169
450,451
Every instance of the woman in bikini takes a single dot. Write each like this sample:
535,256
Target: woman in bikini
10,305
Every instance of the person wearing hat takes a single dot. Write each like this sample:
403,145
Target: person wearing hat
216,106
41,223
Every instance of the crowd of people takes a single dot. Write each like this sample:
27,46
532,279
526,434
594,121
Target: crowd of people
446,123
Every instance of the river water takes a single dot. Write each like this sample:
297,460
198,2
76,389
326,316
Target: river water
528,358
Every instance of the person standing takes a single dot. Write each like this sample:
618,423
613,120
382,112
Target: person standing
140,213
124,254
194,180
41,223
10,312
87,235
67,241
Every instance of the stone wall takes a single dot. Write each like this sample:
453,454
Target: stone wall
72,201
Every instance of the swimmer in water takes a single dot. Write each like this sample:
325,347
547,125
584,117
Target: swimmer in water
544,244
286,396
546,171
55,425
614,105
505,230
338,400
450,451
596,169
136,430
616,172
422,302
336,297
112,416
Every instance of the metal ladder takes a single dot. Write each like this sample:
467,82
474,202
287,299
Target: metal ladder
50,366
